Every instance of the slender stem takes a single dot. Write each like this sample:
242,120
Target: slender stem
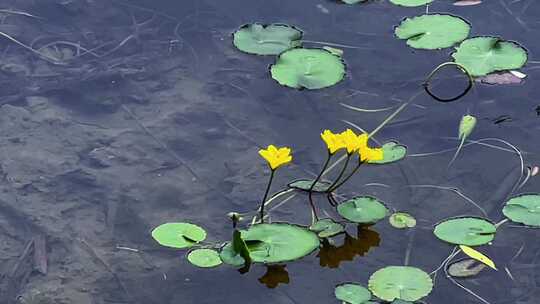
348,176
266,195
310,195
340,175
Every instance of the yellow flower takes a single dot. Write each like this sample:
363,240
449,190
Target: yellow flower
351,140
276,157
368,154
333,141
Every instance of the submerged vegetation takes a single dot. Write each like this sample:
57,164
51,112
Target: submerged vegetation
260,240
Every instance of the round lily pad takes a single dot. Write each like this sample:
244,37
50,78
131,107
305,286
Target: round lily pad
400,282
411,3
524,209
392,152
402,220
326,228
484,55
352,293
205,258
433,31
271,39
363,209
305,185
178,235
308,68
470,231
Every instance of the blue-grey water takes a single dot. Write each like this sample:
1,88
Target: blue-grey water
143,112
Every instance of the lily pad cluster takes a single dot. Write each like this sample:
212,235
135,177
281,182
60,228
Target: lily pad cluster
295,66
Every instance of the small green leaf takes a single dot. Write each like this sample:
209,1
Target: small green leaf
363,209
392,152
402,220
270,39
524,209
352,293
178,235
205,258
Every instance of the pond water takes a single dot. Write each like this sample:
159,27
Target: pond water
144,112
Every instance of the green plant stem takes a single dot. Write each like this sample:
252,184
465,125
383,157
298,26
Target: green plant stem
348,176
266,194
340,175
310,194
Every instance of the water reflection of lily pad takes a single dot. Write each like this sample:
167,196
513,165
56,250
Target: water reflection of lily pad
269,39
411,3
352,293
178,235
308,68
392,152
331,256
305,185
434,31
326,228
363,209
524,209
400,282
204,258
484,55
470,231
402,220
275,275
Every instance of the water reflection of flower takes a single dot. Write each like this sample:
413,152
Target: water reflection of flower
331,256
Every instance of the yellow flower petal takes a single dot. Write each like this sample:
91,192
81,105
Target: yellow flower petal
351,140
477,256
333,141
276,157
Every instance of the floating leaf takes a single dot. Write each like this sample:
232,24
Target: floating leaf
305,185
524,209
400,282
477,255
433,31
465,268
308,68
392,152
470,231
500,78
402,220
271,39
352,293
411,3
484,55
204,258
326,228
363,209
178,235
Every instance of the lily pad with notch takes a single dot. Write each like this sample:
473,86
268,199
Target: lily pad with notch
524,209
352,293
363,209
484,55
393,151
400,283
178,235
305,185
411,3
266,39
470,231
434,31
204,258
326,228
311,69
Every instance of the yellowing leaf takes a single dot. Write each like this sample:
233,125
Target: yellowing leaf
477,256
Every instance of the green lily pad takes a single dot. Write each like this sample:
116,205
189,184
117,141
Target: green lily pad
326,228
205,258
271,39
433,31
352,293
308,68
178,235
402,220
273,243
483,55
305,185
400,282
470,231
411,3
363,209
524,209
392,152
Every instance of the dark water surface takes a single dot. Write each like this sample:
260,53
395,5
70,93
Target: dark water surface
163,123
